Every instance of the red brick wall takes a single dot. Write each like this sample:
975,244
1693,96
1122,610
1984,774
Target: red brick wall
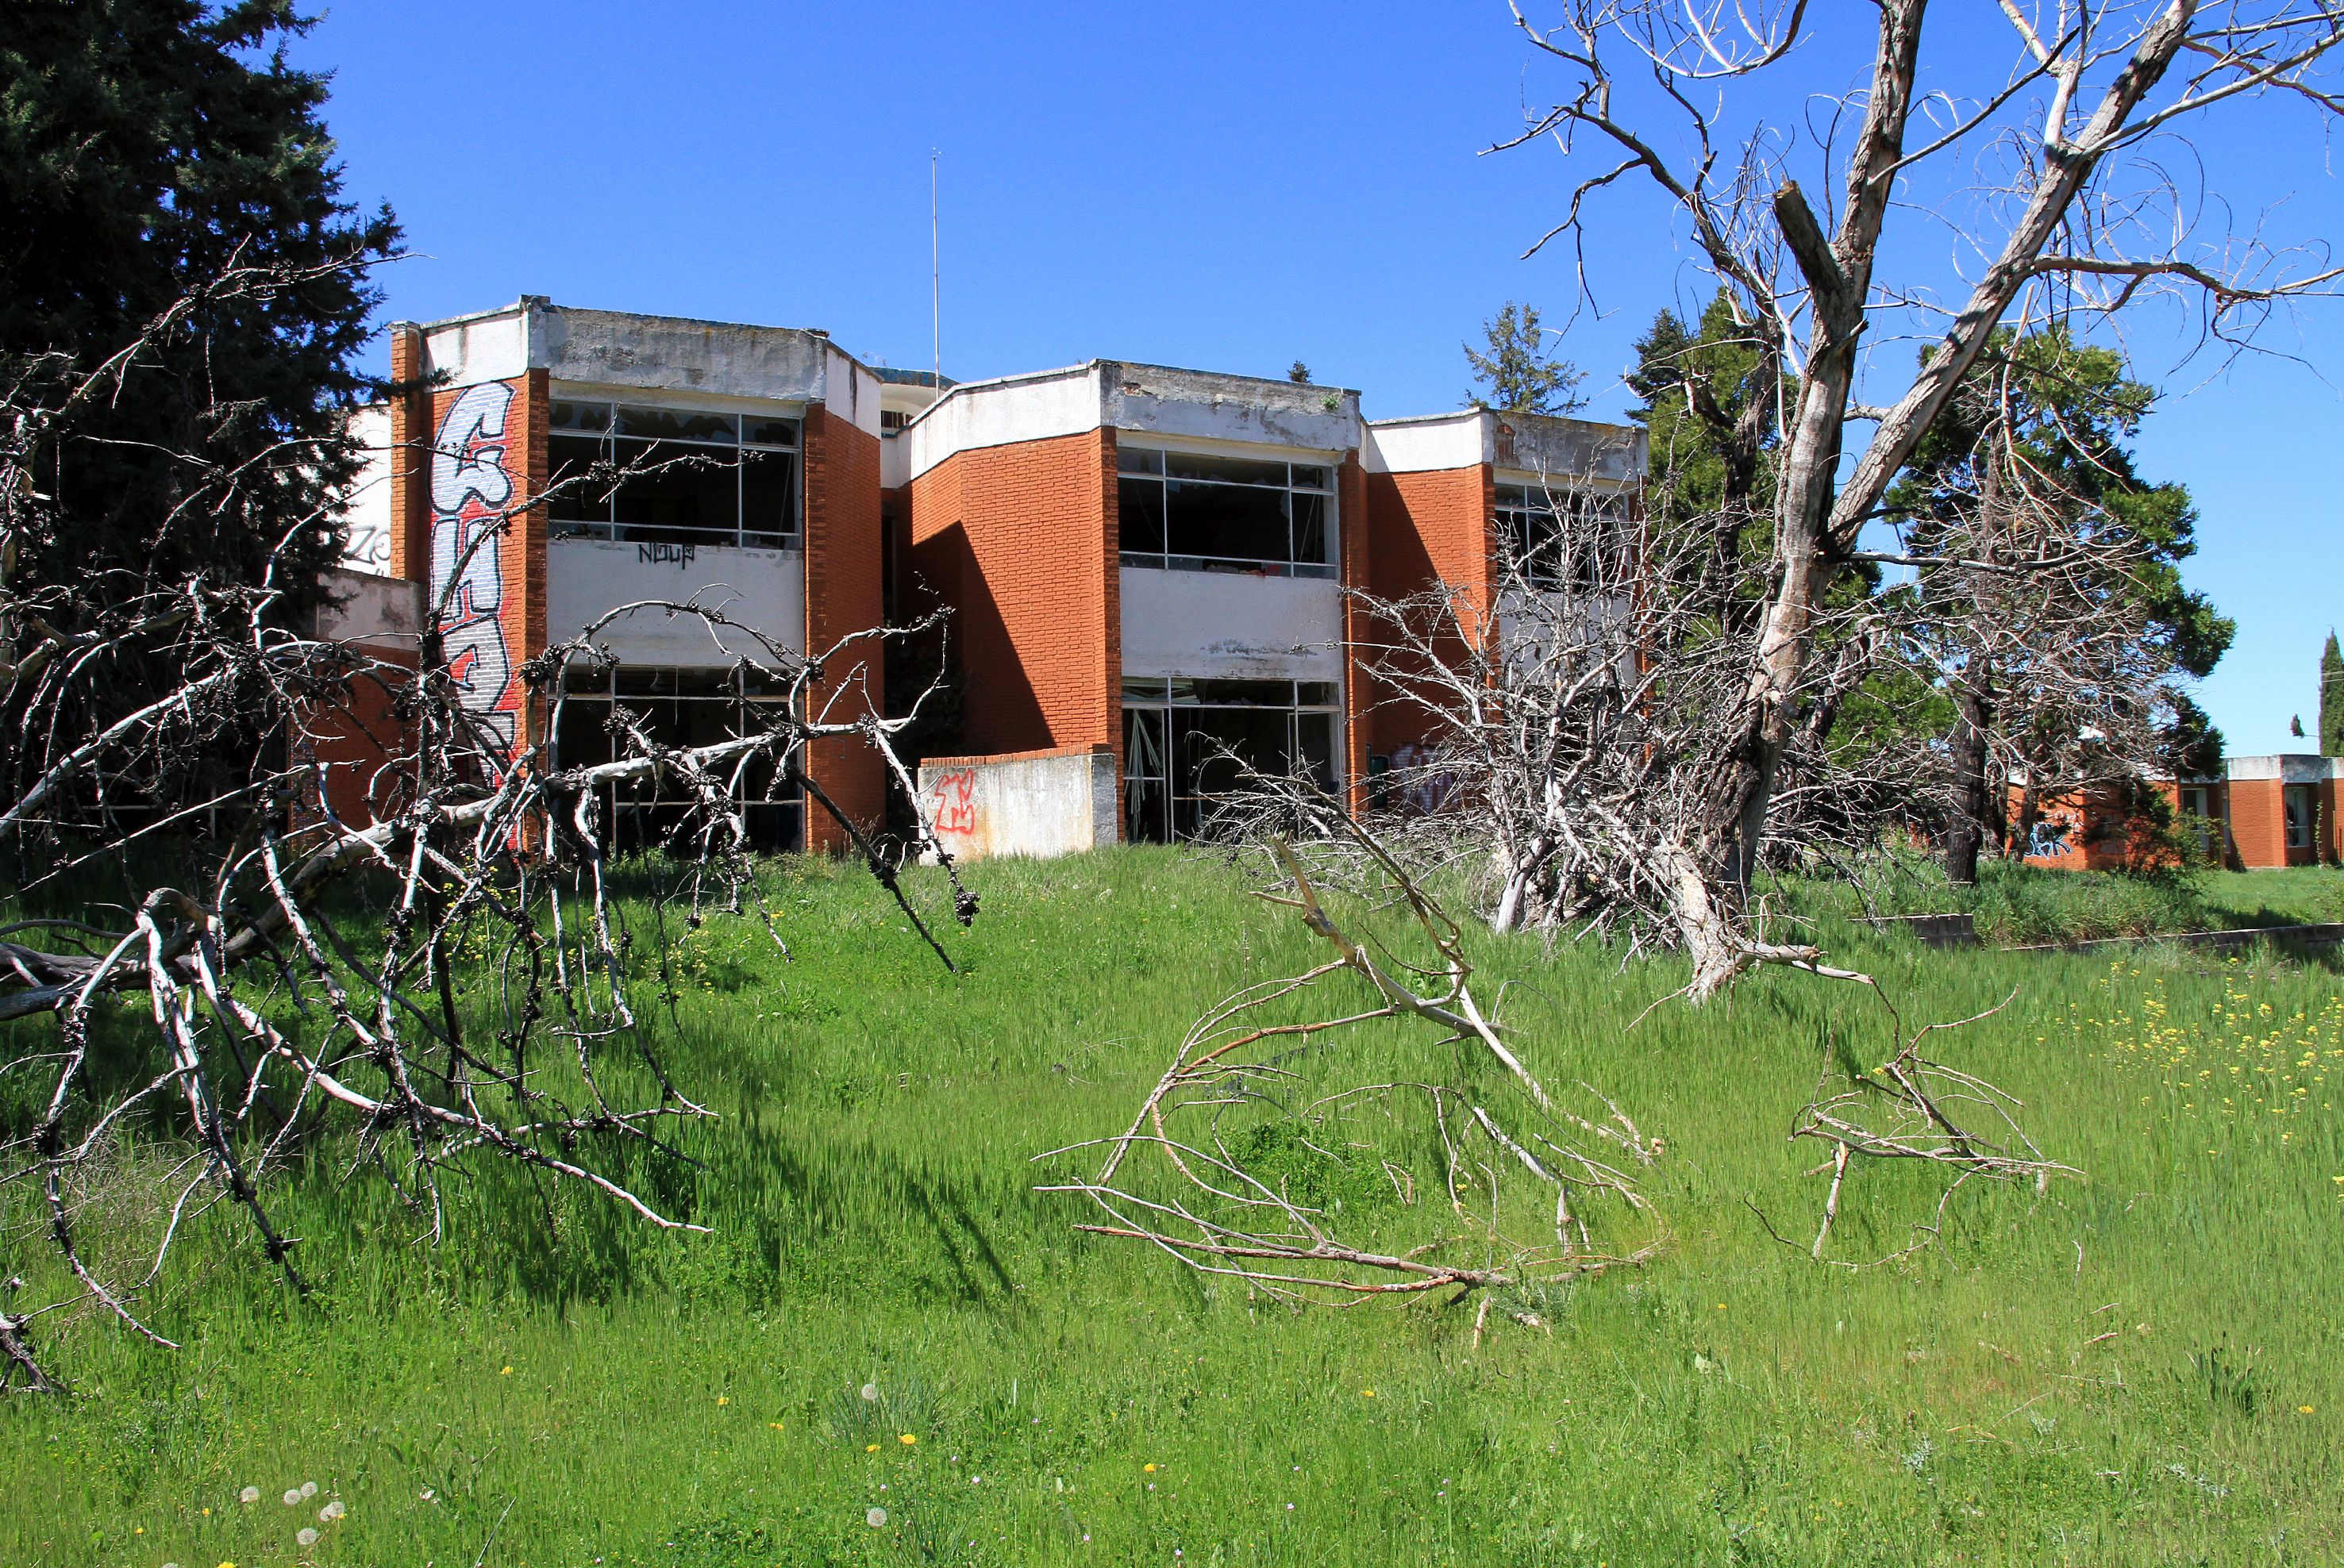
1021,541
1424,528
410,429
2257,822
356,737
843,595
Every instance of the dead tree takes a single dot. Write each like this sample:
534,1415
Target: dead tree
451,978
1911,1109
1274,1152
2077,215
1573,717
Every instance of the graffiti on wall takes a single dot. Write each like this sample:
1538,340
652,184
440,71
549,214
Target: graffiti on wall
952,804
470,487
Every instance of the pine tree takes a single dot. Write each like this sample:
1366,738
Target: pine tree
2331,699
148,145
1520,375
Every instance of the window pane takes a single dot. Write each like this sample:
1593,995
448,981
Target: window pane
1247,693
689,493
677,424
769,497
1142,742
1218,745
1226,470
1309,478
1138,460
1140,503
770,432
1315,693
581,740
1309,528
1314,748
1143,691
595,417
577,499
1224,520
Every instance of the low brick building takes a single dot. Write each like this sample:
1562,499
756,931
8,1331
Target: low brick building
1147,560
2260,813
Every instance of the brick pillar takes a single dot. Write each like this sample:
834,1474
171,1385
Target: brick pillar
843,594
410,458
1111,618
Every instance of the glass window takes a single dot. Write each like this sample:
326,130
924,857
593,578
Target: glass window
1197,511
698,478
1190,742
679,707
1531,533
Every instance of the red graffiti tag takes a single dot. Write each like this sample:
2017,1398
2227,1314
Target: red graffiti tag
954,801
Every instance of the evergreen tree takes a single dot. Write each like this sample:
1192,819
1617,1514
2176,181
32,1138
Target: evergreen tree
1520,375
148,148
2331,699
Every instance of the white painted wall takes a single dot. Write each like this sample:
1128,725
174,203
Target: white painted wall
366,509
1041,806
2286,767
1227,625
365,606
980,414
585,579
1201,404
493,346
1429,443
849,391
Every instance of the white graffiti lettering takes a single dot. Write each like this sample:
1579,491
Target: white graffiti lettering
469,488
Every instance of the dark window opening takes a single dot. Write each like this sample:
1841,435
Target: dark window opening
680,708
1533,533
1188,745
1189,511
700,478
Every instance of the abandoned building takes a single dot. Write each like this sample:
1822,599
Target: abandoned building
1144,566
2259,813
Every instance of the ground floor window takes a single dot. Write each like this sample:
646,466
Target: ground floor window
1188,743
682,708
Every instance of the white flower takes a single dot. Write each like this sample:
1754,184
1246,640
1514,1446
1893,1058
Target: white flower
332,1511
309,1489
307,1535
292,1497
875,1518
249,1494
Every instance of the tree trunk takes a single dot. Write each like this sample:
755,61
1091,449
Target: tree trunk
1965,834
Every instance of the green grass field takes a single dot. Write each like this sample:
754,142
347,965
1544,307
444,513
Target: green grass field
2145,1366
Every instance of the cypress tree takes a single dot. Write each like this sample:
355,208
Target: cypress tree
2331,699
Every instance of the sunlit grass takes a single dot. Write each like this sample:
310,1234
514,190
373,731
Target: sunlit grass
2143,1367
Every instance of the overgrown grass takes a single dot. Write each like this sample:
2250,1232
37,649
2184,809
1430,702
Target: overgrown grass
2019,905
2140,1368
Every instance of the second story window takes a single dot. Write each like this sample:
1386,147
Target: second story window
1554,536
1191,512
695,478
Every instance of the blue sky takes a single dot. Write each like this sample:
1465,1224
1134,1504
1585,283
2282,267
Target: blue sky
1219,185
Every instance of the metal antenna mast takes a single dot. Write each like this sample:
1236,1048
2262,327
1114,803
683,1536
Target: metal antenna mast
936,269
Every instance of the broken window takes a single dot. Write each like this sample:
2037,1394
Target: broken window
2296,799
1531,532
1191,511
680,708
1187,743
696,479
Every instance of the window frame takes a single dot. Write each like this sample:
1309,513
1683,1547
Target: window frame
642,818
1328,493
1182,814
1508,520
740,535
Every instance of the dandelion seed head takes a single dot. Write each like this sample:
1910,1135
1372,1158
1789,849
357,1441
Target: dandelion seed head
292,1497
332,1511
871,1391
249,1494
875,1518
306,1536
309,1489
